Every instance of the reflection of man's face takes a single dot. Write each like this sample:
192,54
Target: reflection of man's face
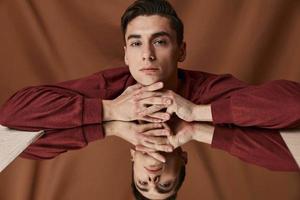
154,179
151,50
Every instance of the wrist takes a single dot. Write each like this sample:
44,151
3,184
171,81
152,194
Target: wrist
107,110
109,129
203,132
202,113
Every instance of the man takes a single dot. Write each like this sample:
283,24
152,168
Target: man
152,88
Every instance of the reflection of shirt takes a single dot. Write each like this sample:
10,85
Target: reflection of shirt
263,147
75,106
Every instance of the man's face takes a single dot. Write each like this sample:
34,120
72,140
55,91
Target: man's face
151,50
154,179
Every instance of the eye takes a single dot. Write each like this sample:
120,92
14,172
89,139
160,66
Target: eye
135,44
165,185
160,42
143,183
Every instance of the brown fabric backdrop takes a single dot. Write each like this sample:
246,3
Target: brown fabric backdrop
48,41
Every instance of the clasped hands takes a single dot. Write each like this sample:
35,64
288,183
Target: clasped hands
146,103
151,104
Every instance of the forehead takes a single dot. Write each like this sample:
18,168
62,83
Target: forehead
147,25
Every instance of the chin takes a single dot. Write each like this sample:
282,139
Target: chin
149,81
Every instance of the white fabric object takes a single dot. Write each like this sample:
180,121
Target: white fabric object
292,139
14,142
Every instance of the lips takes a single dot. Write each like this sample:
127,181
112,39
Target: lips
153,169
149,69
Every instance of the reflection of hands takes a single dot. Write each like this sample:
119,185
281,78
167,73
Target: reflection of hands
183,132
150,136
135,99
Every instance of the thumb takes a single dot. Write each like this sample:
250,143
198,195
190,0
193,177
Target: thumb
173,141
170,110
133,87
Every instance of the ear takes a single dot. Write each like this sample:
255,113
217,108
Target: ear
182,52
132,153
184,157
125,56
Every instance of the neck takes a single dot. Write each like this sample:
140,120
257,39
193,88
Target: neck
172,83
175,84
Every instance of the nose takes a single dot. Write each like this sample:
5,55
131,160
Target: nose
148,53
154,179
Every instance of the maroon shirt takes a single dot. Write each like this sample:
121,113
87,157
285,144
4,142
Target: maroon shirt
71,112
262,147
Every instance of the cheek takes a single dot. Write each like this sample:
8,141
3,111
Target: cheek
132,56
139,173
168,57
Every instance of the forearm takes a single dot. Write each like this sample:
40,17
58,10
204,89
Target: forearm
49,108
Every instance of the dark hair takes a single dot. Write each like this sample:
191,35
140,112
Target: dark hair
153,7
139,196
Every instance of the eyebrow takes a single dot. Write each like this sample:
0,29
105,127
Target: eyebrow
162,191
142,189
154,35
159,190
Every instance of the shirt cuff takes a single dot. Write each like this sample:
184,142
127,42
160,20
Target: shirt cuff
221,112
92,111
223,138
93,132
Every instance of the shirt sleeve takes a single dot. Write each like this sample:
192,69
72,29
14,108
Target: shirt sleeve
60,106
55,142
70,113
262,147
272,105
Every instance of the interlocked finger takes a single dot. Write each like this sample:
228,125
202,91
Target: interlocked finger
158,147
157,132
157,156
153,120
160,115
156,139
144,149
146,94
148,126
151,110
156,101
151,153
